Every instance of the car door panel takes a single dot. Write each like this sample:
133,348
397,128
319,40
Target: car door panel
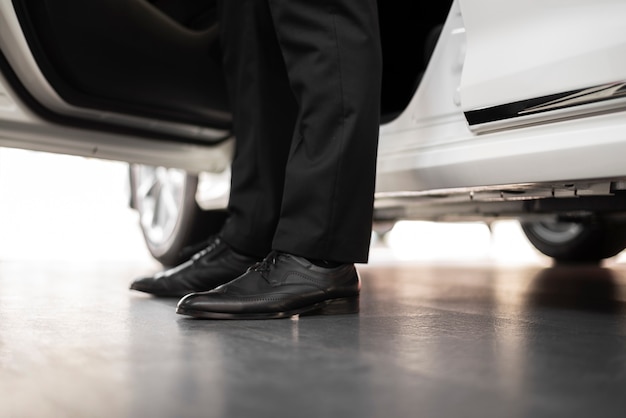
122,57
534,56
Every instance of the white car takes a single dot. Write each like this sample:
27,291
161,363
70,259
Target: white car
491,109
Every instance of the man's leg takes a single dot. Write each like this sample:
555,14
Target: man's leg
333,58
332,53
264,114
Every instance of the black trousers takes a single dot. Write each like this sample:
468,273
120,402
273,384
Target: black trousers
304,81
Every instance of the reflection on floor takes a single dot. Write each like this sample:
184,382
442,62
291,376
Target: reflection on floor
430,341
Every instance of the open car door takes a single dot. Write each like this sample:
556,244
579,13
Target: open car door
135,69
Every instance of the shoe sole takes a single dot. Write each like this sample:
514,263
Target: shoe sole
339,306
160,295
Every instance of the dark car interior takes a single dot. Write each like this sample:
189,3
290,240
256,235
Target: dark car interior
161,58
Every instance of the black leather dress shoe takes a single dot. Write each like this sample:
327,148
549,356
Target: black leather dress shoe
215,265
280,286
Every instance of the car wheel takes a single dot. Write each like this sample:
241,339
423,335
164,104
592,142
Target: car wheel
382,228
169,217
577,241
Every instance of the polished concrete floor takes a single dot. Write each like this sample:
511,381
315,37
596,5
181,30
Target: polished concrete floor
430,341
455,322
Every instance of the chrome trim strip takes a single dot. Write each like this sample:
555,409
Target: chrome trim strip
593,94
592,100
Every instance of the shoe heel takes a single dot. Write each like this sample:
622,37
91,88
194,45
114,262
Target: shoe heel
337,307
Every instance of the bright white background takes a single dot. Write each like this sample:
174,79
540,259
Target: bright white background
59,207
65,208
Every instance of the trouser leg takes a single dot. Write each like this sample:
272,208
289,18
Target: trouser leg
332,52
304,169
264,114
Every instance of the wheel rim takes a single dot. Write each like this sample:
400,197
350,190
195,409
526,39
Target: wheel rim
557,232
159,195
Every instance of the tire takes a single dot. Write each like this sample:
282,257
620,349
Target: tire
577,242
169,217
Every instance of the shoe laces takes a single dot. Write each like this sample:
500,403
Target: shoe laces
265,266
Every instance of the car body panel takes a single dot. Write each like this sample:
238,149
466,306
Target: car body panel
430,153
519,50
20,127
